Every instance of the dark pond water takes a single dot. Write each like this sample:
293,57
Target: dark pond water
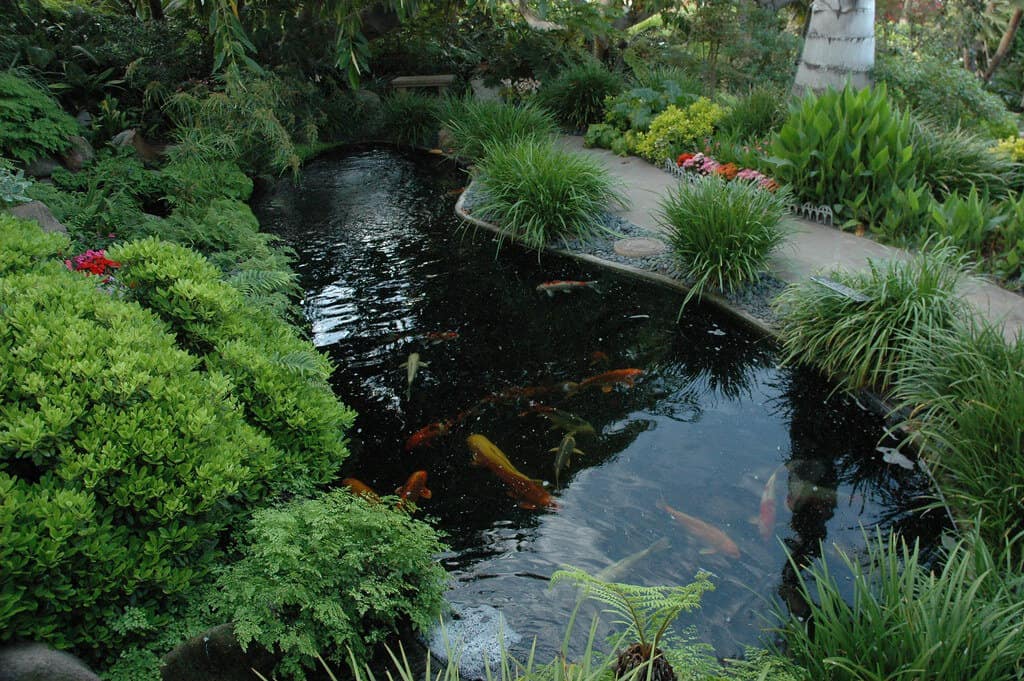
387,272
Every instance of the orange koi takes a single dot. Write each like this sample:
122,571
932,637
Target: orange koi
598,357
414,489
360,488
709,534
553,287
426,434
626,377
766,518
439,336
530,493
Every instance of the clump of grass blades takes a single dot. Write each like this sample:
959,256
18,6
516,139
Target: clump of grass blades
723,232
754,115
411,119
958,160
906,621
539,192
860,344
965,386
576,95
474,124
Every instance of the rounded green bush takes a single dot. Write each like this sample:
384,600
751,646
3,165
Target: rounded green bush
723,232
577,94
539,192
31,122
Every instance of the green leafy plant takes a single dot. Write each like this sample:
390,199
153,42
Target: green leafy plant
955,160
963,387
31,122
634,109
473,124
677,130
411,119
576,95
957,621
847,149
539,192
861,343
601,135
332,575
971,222
754,115
13,185
723,232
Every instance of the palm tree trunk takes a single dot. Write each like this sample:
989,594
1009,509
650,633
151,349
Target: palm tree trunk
1004,45
840,46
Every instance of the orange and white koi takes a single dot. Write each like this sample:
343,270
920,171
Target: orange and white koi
553,287
766,517
716,539
414,489
530,492
360,488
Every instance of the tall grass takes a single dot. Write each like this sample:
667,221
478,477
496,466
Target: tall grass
755,115
722,232
539,192
958,160
965,386
860,344
475,123
411,119
576,95
906,621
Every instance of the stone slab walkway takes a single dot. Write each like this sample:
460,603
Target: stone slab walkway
809,249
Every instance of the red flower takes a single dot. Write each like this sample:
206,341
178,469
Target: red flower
683,158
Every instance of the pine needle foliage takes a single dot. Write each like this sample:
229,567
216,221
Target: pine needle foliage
646,612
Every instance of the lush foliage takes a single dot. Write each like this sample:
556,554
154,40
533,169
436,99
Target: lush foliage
723,232
13,185
677,130
861,343
473,124
31,122
411,119
539,192
847,149
634,109
1013,147
576,95
946,91
959,621
965,387
753,115
957,160
331,575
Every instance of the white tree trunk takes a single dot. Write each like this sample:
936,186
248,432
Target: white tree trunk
840,46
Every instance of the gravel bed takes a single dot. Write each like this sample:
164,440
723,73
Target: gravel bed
754,298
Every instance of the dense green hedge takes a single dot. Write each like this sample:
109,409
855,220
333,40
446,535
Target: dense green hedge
31,122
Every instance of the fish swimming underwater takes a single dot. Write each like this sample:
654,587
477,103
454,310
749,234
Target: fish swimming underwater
717,540
427,433
562,286
530,493
766,517
563,456
441,336
626,377
414,489
412,367
619,568
360,488
562,420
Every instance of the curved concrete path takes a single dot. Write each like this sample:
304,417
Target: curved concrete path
809,249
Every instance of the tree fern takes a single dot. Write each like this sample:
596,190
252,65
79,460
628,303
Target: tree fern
645,611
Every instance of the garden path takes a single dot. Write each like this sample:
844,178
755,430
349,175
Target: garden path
809,249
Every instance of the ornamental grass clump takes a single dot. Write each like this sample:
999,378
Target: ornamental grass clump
964,389
411,119
539,192
723,232
860,343
472,124
908,620
576,95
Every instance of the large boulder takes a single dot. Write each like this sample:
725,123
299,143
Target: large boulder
215,655
42,168
39,662
476,636
40,213
78,154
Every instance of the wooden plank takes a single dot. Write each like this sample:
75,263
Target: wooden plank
440,80
841,289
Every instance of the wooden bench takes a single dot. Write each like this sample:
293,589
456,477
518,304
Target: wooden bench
440,81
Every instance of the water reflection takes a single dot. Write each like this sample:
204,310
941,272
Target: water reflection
387,273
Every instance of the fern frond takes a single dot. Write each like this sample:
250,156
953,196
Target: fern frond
262,282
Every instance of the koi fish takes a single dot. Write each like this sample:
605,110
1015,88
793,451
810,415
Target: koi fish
709,534
766,518
360,488
412,367
598,357
569,423
616,570
564,452
626,377
553,287
440,336
424,435
414,489
530,493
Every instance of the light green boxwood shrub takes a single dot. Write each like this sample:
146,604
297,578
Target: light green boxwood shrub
32,124
676,130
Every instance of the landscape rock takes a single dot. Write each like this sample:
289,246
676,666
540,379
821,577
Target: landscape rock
477,634
215,655
39,662
79,154
41,168
38,211
84,119
133,138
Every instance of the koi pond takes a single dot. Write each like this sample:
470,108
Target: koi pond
706,456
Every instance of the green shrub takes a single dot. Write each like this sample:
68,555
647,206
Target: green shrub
965,386
946,91
956,160
473,124
971,222
675,130
634,109
280,380
13,185
722,232
197,182
907,620
539,192
411,119
861,344
576,95
333,575
1012,148
31,122
754,116
601,135
351,115
123,459
847,149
